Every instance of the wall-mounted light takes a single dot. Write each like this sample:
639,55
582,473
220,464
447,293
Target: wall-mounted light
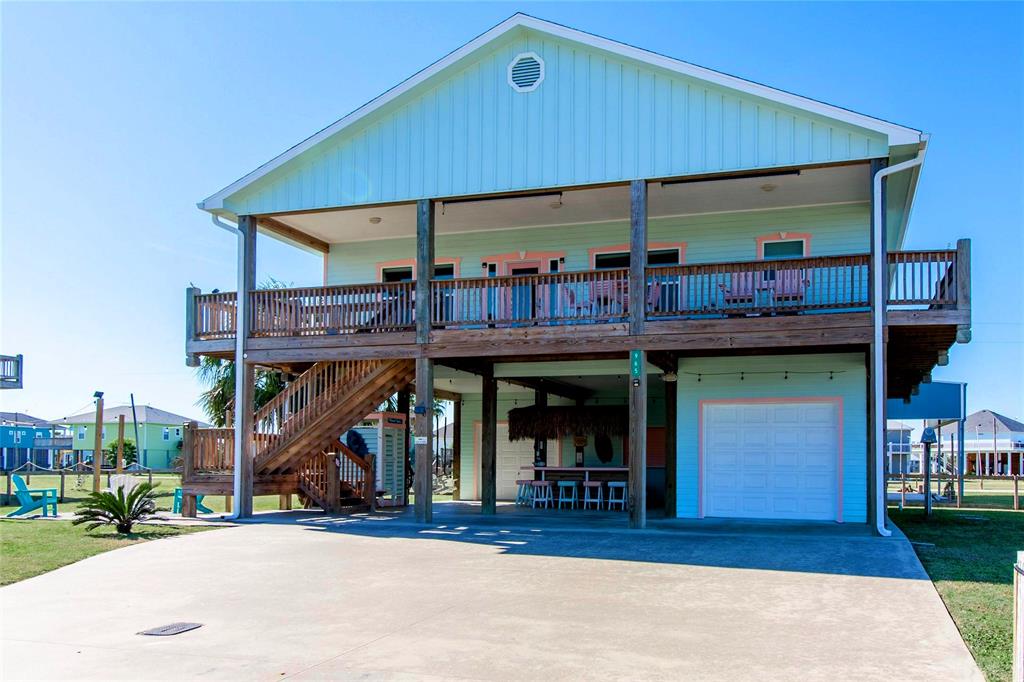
375,220
669,377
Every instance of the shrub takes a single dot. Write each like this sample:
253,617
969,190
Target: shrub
117,509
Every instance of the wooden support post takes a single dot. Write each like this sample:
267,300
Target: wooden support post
188,505
424,480
1016,493
963,287
245,378
638,439
333,484
188,455
489,443
97,452
119,464
403,407
927,471
191,359
540,445
60,497
227,504
424,270
457,449
671,411
284,502
637,256
370,483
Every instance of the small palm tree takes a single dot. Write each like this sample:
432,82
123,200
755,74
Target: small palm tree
117,509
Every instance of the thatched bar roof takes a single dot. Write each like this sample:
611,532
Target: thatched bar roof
527,423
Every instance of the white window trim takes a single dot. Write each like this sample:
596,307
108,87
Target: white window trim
515,60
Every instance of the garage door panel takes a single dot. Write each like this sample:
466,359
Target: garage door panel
779,460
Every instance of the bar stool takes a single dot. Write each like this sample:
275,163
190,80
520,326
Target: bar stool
619,499
542,494
567,494
524,494
593,493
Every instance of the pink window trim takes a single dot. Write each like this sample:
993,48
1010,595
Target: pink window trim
837,400
624,248
783,236
411,263
504,261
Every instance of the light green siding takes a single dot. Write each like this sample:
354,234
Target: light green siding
566,453
834,229
154,451
763,378
597,117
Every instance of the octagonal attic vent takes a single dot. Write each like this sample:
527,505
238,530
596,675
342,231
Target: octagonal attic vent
525,72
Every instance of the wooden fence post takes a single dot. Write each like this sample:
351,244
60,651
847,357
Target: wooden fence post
370,484
1016,493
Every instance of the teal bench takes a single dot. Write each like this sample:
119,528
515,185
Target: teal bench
47,498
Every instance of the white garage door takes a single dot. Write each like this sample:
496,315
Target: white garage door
771,460
511,459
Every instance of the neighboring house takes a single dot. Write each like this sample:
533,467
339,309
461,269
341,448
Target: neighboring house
993,444
672,266
24,438
902,458
159,440
12,370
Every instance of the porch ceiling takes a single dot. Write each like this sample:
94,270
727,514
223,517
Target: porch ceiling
457,381
829,185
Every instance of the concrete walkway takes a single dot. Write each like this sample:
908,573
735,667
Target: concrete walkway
310,597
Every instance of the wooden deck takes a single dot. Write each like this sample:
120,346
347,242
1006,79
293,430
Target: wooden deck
803,303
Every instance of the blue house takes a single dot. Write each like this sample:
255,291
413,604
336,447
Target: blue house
24,438
620,267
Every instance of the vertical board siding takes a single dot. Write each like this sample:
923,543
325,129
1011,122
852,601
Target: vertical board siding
595,118
565,455
848,383
835,230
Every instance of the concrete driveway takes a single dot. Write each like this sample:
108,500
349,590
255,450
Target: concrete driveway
314,598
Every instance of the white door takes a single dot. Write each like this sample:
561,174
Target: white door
512,458
771,460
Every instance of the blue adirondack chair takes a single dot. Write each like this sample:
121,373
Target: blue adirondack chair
47,498
200,507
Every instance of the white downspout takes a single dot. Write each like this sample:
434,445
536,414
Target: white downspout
879,269
240,303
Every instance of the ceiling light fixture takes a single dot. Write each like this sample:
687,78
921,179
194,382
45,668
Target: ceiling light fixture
375,220
768,187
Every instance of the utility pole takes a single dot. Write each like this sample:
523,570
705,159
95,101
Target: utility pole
97,451
119,465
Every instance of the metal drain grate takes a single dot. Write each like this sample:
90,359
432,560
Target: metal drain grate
172,629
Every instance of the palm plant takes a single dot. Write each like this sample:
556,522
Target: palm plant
117,509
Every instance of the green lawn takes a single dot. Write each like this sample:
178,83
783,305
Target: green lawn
76,488
971,565
29,548
992,493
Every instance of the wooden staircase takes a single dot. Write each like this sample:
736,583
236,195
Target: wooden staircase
297,436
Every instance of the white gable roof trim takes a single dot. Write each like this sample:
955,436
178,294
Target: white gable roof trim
896,134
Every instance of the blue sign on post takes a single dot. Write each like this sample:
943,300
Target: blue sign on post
636,363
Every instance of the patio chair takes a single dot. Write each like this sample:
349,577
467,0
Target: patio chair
741,288
123,481
179,497
788,285
47,498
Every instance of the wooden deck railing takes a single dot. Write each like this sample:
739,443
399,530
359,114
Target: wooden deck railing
11,369
588,296
303,401
934,279
207,451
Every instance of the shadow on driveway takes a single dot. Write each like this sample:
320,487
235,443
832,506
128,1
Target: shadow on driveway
811,547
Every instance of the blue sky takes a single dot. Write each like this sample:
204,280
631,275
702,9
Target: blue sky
117,118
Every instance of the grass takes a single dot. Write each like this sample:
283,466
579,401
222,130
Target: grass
29,548
969,558
992,493
77,488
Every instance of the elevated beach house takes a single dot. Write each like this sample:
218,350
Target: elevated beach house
622,268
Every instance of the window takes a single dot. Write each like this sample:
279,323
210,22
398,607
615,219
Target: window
396,274
791,248
177,433
17,436
167,433
620,259
81,433
103,433
404,273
